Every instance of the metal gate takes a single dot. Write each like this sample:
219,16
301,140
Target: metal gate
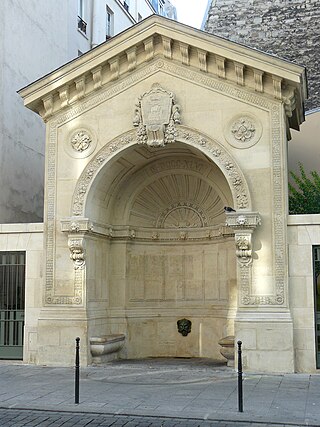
12,297
316,273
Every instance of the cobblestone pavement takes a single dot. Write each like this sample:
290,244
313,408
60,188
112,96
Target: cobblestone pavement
29,418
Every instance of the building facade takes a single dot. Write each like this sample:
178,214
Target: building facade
145,147
51,33
148,137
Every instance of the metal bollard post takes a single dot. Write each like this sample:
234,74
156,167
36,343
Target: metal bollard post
240,393
77,373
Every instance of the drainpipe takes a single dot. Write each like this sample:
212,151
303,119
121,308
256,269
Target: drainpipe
98,22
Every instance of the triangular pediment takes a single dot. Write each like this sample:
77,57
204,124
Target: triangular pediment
157,37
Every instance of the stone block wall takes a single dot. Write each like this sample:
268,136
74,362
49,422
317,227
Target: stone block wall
28,238
289,29
303,234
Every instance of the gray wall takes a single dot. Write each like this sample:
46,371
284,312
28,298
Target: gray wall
287,28
36,37
33,37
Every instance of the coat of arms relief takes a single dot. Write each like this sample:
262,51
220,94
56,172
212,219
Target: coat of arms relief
156,116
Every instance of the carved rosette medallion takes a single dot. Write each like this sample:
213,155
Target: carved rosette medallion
243,131
156,116
81,141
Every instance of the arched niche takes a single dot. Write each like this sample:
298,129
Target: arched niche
146,188
106,164
159,249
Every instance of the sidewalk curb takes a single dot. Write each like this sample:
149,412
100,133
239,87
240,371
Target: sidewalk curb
85,411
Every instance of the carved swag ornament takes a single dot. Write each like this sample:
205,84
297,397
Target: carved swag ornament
156,114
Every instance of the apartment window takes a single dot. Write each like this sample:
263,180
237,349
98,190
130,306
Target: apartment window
139,17
161,9
109,23
82,25
126,5
155,5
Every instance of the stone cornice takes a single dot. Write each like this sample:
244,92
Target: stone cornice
240,221
160,37
78,227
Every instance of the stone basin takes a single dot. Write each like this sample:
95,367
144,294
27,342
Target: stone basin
227,349
106,347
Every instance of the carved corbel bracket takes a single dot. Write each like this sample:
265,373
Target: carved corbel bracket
80,87
243,248
258,80
243,225
47,106
132,58
76,228
277,87
77,252
289,100
149,48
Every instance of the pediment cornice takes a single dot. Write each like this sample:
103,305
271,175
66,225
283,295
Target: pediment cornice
156,38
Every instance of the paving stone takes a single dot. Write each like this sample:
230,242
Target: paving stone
267,398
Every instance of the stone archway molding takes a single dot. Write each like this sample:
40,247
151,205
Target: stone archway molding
208,146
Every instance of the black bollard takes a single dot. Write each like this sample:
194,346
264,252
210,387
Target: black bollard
240,394
77,373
